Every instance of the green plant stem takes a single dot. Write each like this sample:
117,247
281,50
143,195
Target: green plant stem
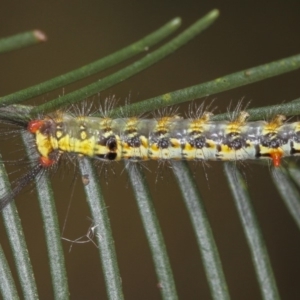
212,87
51,226
291,108
94,67
103,230
206,243
7,284
17,242
153,232
288,192
132,69
22,40
253,233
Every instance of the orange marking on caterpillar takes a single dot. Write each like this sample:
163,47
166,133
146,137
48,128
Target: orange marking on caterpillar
46,162
34,125
276,157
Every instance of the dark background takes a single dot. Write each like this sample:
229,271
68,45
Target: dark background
247,34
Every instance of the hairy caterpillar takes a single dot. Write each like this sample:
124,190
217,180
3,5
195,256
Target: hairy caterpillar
163,138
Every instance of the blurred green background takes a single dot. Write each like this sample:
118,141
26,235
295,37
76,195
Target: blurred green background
248,33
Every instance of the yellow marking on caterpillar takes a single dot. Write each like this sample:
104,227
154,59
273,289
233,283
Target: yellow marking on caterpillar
44,144
274,124
131,124
163,124
83,135
59,134
65,143
236,125
105,124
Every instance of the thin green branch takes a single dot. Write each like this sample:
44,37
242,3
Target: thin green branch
153,232
132,69
7,285
22,40
51,226
253,232
212,87
288,192
17,242
291,108
103,230
206,243
94,67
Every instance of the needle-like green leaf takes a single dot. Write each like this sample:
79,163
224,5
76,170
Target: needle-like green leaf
153,232
252,232
132,69
21,40
103,234
17,242
94,67
206,243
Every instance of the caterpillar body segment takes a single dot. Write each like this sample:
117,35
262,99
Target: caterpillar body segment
197,138
165,138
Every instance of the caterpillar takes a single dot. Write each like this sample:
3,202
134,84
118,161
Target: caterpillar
195,138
